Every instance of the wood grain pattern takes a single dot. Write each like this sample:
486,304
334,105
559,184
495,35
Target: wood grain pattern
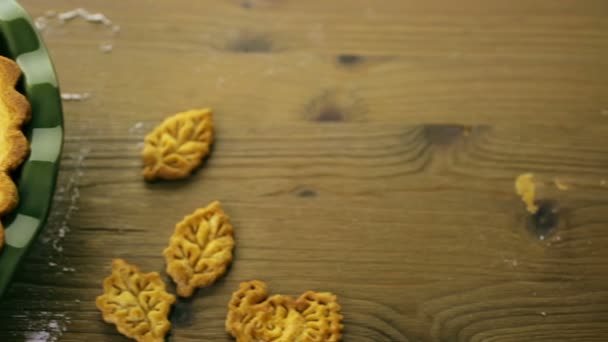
365,148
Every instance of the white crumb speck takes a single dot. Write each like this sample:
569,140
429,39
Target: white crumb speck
106,47
542,313
75,96
542,237
137,128
220,82
77,300
69,15
98,18
37,336
41,23
52,264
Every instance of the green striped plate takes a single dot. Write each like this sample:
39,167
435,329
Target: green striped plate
36,179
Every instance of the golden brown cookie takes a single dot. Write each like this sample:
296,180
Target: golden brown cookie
136,303
1,236
178,145
253,316
200,249
14,147
8,194
16,111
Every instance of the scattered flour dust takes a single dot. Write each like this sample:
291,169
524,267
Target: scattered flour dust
65,205
49,326
46,326
53,19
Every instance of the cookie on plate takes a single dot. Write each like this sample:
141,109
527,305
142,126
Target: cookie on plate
14,146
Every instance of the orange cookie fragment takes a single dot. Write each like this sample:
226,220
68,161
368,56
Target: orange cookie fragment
253,316
14,147
200,249
178,145
136,303
526,189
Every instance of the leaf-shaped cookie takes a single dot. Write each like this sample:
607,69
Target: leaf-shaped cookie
252,316
136,302
200,249
178,145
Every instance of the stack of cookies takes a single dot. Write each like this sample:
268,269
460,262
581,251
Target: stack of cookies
14,147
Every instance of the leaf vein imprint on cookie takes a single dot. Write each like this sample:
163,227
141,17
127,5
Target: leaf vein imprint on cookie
312,317
136,302
178,145
200,249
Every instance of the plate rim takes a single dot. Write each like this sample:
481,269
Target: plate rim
37,179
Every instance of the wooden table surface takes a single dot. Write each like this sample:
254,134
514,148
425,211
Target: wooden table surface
367,148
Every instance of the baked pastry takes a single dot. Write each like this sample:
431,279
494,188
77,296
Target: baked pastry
1,235
14,146
136,303
200,249
526,189
178,145
253,316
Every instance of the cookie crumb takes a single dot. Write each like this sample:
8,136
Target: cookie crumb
525,188
560,185
75,96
